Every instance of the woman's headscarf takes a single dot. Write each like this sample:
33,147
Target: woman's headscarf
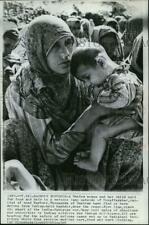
87,28
42,34
111,22
44,93
134,27
102,31
74,23
122,24
118,18
136,57
21,46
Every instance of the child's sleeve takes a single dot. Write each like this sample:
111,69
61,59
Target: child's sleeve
120,94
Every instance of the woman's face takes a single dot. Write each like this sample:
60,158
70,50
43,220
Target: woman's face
9,45
59,57
85,31
75,27
109,43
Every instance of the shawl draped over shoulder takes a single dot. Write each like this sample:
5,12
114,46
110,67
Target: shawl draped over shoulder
49,102
43,93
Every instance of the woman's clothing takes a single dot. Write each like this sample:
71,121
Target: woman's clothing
20,49
47,102
136,57
111,22
87,28
121,165
134,27
48,131
36,139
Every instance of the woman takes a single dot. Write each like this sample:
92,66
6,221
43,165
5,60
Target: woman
136,57
134,27
74,24
111,22
77,29
87,28
43,104
10,39
21,45
109,39
122,24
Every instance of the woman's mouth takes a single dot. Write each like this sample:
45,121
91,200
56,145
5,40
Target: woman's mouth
65,64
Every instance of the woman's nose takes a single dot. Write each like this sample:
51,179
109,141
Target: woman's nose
65,53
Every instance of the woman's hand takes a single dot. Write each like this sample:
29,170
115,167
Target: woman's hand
127,111
17,177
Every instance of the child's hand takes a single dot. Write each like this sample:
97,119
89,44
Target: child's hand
81,155
130,110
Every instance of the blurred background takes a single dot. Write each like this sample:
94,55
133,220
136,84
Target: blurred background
24,11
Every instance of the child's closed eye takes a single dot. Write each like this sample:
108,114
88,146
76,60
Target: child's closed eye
83,77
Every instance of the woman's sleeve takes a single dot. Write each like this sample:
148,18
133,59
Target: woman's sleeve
54,150
85,93
57,150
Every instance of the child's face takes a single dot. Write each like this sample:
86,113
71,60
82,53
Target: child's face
91,75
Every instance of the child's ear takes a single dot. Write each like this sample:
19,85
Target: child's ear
101,61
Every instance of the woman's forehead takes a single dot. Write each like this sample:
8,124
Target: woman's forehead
109,37
60,43
63,40
73,23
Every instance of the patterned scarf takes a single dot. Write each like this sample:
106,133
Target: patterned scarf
44,93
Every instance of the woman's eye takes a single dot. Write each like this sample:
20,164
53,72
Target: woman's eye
57,45
69,42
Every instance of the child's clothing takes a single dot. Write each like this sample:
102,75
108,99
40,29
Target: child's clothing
121,89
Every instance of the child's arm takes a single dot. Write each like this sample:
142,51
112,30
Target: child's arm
120,95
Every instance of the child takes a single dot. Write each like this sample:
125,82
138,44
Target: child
113,86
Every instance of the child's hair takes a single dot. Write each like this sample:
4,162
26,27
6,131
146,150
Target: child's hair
84,56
